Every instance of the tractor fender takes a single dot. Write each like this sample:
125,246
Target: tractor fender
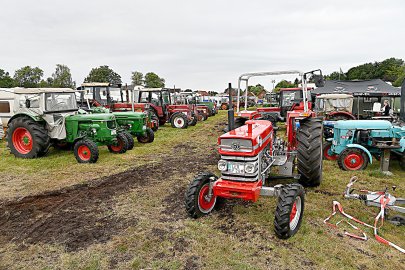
353,145
36,119
345,114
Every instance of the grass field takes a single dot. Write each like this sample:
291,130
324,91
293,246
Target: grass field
126,212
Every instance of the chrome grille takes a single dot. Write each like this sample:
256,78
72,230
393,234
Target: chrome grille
242,176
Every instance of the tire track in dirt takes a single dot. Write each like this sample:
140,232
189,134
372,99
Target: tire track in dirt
83,214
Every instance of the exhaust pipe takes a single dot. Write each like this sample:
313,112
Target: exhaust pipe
231,116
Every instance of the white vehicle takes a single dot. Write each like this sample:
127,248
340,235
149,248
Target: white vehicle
6,105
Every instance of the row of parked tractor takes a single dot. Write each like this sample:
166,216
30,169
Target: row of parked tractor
93,115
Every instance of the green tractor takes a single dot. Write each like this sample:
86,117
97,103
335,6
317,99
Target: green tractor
134,123
50,116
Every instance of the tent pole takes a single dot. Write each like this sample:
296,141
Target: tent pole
358,107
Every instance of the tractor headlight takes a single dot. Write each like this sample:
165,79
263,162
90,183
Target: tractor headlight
94,130
250,167
222,165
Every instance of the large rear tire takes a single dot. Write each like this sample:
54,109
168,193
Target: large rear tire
27,138
130,139
86,151
402,161
193,121
197,201
309,152
154,120
179,120
289,211
121,146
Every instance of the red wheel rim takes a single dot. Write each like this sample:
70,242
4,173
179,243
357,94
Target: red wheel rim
203,201
118,147
328,154
293,211
22,140
353,161
84,152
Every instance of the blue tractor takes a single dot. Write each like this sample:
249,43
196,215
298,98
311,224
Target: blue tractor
356,141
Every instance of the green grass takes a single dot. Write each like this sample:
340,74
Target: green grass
239,237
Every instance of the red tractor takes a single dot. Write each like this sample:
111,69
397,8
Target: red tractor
159,100
189,98
250,153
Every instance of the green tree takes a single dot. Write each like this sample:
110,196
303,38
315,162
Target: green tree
257,89
28,76
401,78
152,80
336,75
103,74
137,78
62,77
5,79
46,83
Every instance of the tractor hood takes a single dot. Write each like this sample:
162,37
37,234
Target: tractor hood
129,115
363,124
91,117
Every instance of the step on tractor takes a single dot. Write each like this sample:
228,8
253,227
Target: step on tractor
355,142
45,116
113,97
249,156
159,100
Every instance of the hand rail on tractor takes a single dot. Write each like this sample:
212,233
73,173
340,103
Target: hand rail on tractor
246,76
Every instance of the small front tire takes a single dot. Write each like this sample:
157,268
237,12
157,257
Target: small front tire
148,137
289,211
85,151
353,159
130,139
121,146
179,120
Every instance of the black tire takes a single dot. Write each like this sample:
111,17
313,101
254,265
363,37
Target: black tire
130,139
359,157
192,202
40,138
86,151
179,120
148,137
193,121
309,152
286,224
122,145
402,161
155,119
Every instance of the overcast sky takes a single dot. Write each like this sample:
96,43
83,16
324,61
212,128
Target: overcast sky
199,44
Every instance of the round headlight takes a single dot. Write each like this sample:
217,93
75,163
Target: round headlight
250,167
222,165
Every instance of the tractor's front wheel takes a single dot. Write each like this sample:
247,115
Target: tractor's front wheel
130,139
154,119
402,161
289,211
121,146
179,120
27,138
148,137
353,159
197,199
193,121
309,152
86,151
327,152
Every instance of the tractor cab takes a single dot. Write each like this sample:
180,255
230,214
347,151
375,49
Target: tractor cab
335,106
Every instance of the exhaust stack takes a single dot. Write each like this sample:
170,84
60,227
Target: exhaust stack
231,116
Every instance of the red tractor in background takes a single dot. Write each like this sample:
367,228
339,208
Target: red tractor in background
189,98
160,102
250,153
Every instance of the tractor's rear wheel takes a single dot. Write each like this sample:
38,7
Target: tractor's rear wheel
121,146
224,107
197,200
309,152
193,121
148,137
179,120
27,138
353,159
130,139
402,161
86,151
327,152
289,211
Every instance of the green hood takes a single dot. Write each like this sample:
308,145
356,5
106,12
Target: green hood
91,117
129,115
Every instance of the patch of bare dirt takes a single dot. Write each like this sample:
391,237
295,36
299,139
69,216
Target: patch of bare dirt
81,215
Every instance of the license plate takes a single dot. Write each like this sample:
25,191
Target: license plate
236,168
113,132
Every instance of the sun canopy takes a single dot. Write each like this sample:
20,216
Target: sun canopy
374,87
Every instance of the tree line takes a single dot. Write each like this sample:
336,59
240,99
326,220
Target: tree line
31,77
390,70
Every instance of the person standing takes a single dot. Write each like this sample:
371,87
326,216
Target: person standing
386,109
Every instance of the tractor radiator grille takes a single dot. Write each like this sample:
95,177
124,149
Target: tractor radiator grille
240,175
